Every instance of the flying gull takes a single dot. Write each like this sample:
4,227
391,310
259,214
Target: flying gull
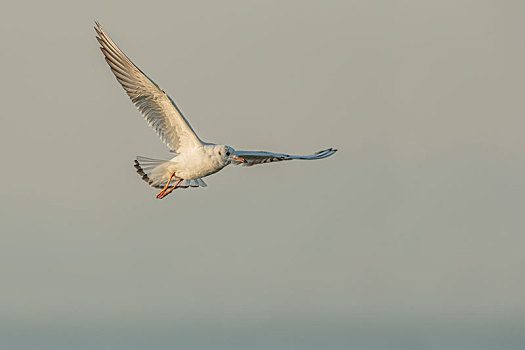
194,158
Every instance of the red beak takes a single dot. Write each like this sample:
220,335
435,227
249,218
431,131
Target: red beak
239,159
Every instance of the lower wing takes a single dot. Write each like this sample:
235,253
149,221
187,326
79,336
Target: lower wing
260,157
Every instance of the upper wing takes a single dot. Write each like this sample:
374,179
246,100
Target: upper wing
159,110
260,157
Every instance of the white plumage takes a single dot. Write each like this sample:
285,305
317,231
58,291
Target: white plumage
194,158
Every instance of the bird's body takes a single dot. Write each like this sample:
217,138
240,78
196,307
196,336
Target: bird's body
194,158
197,163
194,164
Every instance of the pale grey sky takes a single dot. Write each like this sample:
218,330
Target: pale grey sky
411,236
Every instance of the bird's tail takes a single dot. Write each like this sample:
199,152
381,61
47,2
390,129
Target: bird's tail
156,172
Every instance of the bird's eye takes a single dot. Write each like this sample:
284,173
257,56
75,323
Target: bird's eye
227,153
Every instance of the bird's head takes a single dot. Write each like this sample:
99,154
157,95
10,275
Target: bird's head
227,154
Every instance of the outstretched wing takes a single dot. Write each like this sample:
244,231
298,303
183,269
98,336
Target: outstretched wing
159,110
260,157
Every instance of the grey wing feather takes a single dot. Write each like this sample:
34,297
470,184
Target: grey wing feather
261,157
159,110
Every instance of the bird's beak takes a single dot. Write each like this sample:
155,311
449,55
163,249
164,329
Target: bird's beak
239,159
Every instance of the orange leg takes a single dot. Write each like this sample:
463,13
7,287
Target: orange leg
160,195
171,189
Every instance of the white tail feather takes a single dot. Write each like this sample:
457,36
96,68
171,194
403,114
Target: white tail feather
156,172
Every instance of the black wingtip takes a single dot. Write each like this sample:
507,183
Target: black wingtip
328,150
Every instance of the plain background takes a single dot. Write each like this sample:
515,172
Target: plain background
410,237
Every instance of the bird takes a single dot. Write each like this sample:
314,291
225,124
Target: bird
194,159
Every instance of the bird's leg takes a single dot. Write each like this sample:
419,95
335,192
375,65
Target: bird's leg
171,189
160,195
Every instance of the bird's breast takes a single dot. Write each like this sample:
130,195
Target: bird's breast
197,165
